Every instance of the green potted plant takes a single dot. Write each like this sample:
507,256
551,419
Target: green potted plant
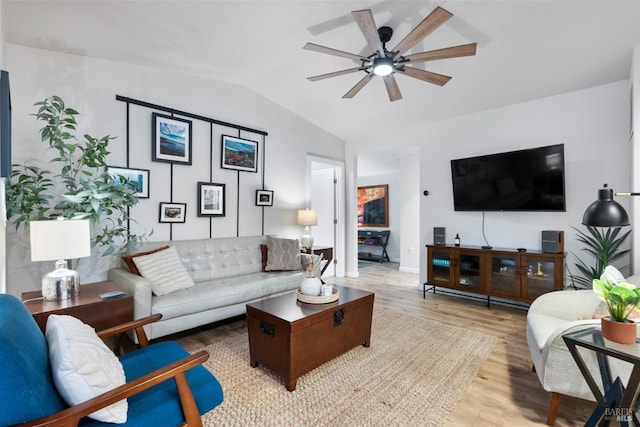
77,186
603,244
620,299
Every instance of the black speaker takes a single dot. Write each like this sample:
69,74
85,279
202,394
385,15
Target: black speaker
439,236
553,241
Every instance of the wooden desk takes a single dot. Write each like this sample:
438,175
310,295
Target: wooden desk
87,306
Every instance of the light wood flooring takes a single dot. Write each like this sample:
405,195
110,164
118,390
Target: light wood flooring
506,391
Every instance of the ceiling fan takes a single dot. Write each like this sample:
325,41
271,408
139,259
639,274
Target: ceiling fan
386,63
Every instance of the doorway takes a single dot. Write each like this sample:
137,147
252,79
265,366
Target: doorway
325,194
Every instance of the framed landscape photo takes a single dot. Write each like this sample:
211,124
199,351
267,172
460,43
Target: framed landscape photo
171,139
264,198
211,199
173,212
373,206
239,154
139,177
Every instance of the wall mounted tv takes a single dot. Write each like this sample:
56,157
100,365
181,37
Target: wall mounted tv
523,180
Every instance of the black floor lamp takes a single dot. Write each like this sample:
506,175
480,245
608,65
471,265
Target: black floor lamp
606,212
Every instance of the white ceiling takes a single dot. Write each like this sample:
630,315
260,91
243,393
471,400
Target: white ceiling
526,50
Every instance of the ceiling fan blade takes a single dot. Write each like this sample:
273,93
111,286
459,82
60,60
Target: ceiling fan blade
334,74
448,52
354,90
427,76
392,88
330,51
364,19
429,24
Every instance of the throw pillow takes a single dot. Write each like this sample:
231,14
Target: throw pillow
263,250
282,254
83,367
165,271
128,259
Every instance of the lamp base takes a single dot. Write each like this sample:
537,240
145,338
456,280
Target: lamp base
306,240
61,283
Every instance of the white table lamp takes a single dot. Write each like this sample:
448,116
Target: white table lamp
59,240
307,217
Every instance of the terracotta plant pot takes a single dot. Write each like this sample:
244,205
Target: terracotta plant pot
620,332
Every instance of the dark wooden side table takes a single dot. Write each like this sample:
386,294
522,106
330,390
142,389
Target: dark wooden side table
326,251
87,306
618,402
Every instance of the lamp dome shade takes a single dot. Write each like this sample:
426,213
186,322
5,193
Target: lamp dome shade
307,217
605,212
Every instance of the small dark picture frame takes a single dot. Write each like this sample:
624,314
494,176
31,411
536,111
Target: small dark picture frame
211,199
173,212
239,154
264,198
139,177
171,139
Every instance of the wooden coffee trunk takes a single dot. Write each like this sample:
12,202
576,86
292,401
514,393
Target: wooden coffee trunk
291,338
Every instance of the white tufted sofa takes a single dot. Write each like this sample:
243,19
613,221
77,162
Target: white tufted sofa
552,315
227,273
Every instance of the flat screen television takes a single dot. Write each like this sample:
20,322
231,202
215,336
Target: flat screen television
523,180
5,125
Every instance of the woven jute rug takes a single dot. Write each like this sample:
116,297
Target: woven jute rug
413,373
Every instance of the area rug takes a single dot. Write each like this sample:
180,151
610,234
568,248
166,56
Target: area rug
413,373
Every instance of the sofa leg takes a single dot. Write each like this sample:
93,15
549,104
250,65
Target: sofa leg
554,406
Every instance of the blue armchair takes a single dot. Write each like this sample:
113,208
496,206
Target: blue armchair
165,385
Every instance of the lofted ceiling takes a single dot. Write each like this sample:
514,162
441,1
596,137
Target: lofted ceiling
526,50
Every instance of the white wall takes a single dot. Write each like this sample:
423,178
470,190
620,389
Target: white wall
90,85
410,196
592,124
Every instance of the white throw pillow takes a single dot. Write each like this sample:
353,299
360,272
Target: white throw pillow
83,367
282,254
165,271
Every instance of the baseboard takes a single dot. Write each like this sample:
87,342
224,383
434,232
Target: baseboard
409,270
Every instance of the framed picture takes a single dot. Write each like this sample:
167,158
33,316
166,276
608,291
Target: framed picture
211,199
173,212
139,177
239,154
264,198
171,139
373,206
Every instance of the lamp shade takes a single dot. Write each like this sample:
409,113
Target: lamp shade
307,217
60,239
605,212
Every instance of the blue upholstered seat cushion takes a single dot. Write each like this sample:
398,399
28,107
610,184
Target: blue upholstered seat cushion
160,405
27,391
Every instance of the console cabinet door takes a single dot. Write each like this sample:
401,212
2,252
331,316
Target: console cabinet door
469,270
440,266
504,270
541,273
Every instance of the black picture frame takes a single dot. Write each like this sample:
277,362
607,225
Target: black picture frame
140,177
264,198
172,212
171,140
211,199
239,154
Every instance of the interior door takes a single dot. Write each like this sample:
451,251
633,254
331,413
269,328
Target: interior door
323,200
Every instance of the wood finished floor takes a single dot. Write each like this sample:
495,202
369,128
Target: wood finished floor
506,392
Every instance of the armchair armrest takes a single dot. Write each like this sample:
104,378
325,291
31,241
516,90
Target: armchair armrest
176,370
138,286
135,325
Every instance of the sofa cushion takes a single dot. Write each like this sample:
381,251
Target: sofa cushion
83,367
164,270
128,259
282,254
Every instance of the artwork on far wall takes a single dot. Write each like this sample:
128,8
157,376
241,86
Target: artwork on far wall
239,154
373,206
171,139
211,199
173,212
264,198
140,177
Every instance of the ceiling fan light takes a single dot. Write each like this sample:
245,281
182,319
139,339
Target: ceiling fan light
382,66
